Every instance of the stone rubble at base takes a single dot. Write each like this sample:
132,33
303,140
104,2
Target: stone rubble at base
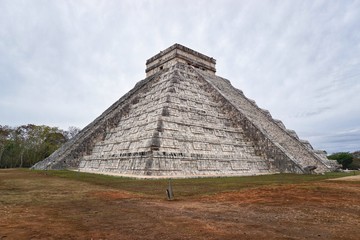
183,120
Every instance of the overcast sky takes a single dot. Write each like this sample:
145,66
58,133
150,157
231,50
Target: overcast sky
62,63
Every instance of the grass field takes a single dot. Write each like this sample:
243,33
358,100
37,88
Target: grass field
75,205
192,187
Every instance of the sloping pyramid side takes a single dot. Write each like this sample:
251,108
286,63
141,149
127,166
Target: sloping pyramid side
70,154
271,137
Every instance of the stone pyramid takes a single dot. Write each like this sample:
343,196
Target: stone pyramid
184,121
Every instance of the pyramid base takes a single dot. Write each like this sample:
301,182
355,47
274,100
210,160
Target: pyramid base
161,164
173,176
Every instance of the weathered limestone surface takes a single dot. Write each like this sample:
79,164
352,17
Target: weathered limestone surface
183,120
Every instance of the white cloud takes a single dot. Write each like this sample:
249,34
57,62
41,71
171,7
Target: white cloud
62,63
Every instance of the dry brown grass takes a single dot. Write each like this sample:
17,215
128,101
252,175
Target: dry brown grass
63,205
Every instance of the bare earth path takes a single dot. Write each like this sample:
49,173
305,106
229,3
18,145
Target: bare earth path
40,206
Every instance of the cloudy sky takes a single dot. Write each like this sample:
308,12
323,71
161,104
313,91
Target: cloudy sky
62,63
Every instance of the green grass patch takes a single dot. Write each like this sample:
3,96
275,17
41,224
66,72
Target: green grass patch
190,187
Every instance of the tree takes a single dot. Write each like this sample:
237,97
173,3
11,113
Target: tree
52,141
25,145
4,135
343,158
72,131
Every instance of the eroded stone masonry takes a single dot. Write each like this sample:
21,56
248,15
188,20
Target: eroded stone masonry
184,121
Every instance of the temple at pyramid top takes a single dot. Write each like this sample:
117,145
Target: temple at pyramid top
179,53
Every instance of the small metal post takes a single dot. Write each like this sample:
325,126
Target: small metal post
169,192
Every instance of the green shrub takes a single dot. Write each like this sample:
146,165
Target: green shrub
355,165
343,158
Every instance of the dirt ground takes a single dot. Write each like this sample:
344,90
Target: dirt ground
37,206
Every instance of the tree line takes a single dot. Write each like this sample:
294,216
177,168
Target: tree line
25,145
